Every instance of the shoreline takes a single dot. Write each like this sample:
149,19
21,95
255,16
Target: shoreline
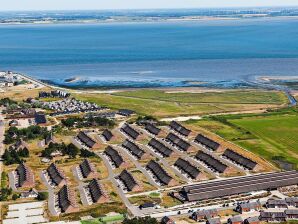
148,20
170,89
173,89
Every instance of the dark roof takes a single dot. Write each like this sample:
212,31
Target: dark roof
40,118
292,200
96,191
276,202
187,167
179,128
86,139
250,205
55,174
206,213
128,180
48,138
152,129
24,174
239,185
213,220
130,131
239,159
236,218
174,139
207,142
66,198
252,220
86,168
166,220
126,112
159,172
19,144
272,215
133,148
291,211
114,156
107,134
147,205
160,147
211,161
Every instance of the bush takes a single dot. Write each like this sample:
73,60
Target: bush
15,197
42,196
140,220
86,153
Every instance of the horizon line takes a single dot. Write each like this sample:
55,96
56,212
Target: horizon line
142,9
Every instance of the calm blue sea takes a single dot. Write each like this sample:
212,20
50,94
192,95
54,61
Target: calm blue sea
221,53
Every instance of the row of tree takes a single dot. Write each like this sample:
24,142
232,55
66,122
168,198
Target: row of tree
13,156
32,132
71,150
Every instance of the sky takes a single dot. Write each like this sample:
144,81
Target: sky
19,5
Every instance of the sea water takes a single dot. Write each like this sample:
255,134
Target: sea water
222,53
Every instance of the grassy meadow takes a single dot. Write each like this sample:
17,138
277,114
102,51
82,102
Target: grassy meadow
273,135
224,97
169,104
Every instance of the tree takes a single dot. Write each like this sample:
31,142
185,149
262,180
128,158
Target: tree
72,150
11,157
24,152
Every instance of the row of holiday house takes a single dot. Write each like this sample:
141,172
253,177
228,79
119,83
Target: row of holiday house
165,150
66,200
211,215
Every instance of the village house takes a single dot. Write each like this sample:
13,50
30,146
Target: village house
24,176
235,220
167,220
129,181
87,169
86,140
67,200
272,216
252,220
292,214
204,214
292,201
32,193
213,221
276,203
248,207
96,192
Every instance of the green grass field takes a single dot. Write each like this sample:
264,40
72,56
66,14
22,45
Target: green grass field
279,132
274,136
226,97
161,104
